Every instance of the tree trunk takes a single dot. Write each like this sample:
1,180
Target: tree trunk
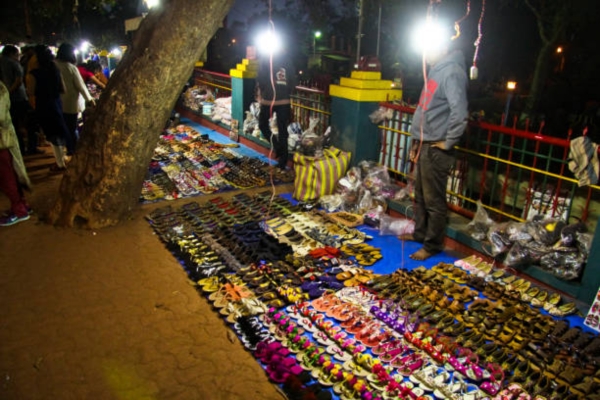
539,78
103,182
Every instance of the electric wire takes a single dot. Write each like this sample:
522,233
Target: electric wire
479,34
271,168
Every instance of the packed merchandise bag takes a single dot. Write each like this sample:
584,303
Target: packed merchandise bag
316,177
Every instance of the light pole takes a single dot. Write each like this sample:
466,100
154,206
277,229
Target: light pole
510,87
316,36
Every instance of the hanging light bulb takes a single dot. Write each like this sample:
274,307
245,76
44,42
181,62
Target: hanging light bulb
268,42
429,36
151,3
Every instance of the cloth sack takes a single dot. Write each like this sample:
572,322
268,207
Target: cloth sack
316,177
583,160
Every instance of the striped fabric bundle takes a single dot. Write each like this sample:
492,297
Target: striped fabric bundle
316,177
583,160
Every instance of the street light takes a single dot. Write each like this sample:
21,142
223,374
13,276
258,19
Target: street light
510,87
561,54
316,36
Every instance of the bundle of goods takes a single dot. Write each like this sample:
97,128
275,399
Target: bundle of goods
364,190
250,126
221,111
550,243
196,96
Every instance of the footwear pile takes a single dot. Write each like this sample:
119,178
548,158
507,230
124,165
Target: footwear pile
187,163
294,287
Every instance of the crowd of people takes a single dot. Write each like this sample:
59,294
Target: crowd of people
42,97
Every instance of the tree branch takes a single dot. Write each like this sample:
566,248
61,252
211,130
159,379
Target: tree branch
540,20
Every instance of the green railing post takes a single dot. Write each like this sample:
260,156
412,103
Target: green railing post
352,101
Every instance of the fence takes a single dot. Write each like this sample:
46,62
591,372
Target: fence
516,174
311,103
218,83
307,102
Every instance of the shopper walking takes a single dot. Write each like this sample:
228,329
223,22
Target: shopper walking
438,124
46,85
11,74
75,90
276,80
13,175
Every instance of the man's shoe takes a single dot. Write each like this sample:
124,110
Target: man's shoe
13,219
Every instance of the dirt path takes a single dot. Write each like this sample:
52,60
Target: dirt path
109,315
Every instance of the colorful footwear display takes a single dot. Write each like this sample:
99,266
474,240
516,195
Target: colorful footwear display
293,286
187,163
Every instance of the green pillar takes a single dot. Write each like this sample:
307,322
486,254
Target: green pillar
243,82
352,101
590,280
112,62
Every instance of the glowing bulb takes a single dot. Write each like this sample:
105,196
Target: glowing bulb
268,42
511,85
429,37
84,46
318,34
151,3
115,52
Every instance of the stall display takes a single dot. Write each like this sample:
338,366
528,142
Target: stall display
195,97
303,294
186,163
548,242
221,111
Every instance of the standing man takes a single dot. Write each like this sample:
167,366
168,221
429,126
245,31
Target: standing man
438,124
276,81
11,74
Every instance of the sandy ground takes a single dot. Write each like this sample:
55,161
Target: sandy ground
109,315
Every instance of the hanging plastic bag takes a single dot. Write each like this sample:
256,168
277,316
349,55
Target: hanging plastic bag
381,114
250,123
480,224
389,225
311,142
294,135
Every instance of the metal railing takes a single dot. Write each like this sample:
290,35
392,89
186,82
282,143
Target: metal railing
516,174
218,83
311,103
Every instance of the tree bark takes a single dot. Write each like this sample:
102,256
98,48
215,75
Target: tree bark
103,182
539,78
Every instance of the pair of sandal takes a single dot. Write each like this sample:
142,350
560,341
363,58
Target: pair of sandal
355,277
